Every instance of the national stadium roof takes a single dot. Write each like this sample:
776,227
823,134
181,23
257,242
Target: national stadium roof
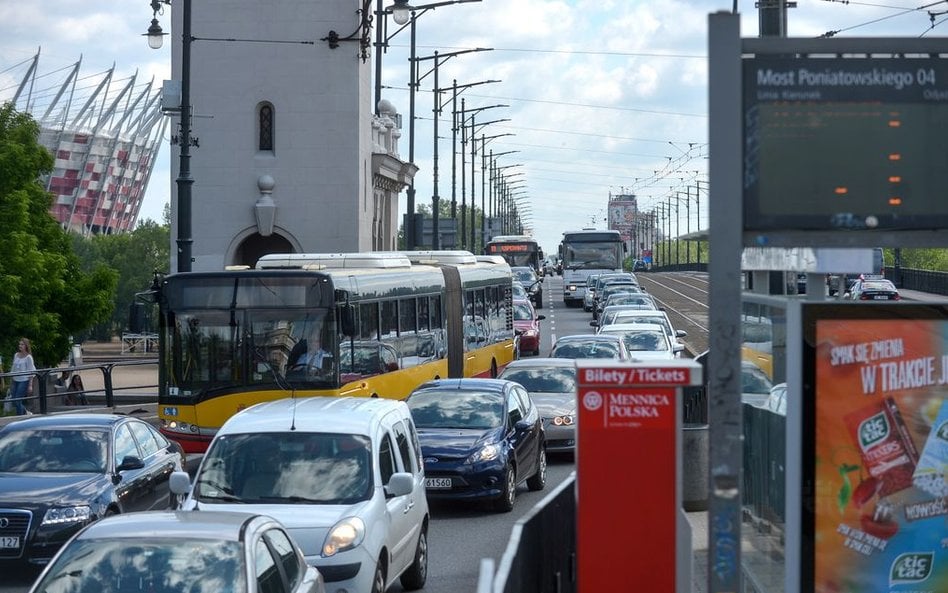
104,134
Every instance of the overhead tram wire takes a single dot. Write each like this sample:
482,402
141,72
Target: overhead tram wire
902,11
568,104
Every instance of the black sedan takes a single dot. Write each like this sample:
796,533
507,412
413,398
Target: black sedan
60,473
480,438
182,551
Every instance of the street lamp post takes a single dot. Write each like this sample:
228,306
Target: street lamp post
484,140
467,114
184,181
698,183
439,59
403,13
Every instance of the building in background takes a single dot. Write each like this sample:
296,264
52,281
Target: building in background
291,157
104,135
622,214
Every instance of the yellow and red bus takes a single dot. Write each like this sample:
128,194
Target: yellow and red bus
518,250
384,322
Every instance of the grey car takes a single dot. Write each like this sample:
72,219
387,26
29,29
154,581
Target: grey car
189,551
551,383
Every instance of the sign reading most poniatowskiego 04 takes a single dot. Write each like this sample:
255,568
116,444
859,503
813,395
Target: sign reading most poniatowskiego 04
627,473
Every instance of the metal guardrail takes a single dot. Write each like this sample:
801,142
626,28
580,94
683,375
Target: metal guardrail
46,398
530,563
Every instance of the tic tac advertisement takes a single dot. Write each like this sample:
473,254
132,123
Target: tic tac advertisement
879,422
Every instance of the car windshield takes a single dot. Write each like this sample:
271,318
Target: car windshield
518,291
62,450
543,380
162,565
456,409
523,311
878,285
596,349
525,276
644,341
287,468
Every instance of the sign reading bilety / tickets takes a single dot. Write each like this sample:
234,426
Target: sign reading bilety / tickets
880,435
626,475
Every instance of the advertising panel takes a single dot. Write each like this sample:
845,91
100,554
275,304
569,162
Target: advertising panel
622,211
875,426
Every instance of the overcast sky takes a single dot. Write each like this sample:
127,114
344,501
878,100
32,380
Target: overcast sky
604,96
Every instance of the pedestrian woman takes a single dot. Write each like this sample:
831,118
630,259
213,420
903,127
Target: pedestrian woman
22,385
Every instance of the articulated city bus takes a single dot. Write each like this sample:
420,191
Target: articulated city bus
518,250
371,324
586,252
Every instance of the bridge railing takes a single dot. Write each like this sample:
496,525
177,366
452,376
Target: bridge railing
541,554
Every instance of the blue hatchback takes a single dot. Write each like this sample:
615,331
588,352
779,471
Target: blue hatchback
480,438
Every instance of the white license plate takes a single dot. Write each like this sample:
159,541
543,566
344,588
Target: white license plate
881,297
9,542
437,483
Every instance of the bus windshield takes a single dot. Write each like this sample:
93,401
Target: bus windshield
592,255
207,349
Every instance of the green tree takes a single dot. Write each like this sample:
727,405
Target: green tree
44,295
135,257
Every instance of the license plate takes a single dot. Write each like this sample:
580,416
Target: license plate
881,297
437,483
9,542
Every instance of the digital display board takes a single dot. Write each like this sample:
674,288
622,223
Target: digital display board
845,143
874,411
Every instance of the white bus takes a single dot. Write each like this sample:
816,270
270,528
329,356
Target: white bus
586,252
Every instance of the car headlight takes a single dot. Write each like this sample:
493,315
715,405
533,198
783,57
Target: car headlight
562,420
344,535
63,515
488,452
530,333
571,287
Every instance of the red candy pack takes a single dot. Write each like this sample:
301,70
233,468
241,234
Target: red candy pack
886,447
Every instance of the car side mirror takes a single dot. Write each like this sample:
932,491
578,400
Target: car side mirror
399,484
130,462
179,483
541,317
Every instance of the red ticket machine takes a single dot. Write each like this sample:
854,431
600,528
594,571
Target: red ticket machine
631,532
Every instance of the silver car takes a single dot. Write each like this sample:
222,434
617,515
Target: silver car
551,383
194,552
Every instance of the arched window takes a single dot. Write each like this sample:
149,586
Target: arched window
265,127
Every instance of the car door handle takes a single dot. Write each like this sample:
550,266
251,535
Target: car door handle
409,506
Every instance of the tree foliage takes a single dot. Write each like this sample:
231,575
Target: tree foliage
135,257
44,294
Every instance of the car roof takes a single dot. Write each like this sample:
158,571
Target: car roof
614,327
472,384
539,361
66,421
217,525
585,338
346,415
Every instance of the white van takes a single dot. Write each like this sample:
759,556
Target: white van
343,474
